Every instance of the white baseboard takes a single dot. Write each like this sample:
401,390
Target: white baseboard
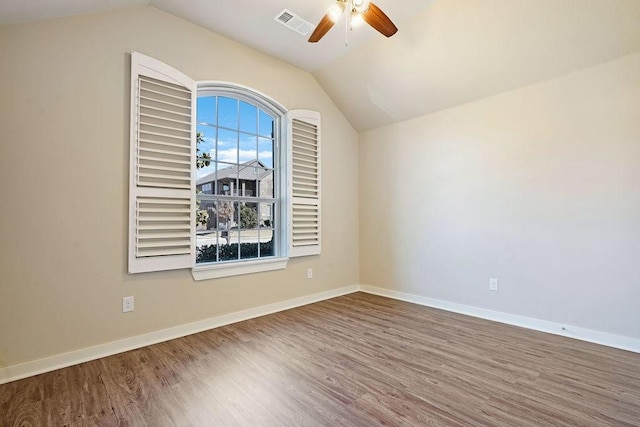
589,335
28,369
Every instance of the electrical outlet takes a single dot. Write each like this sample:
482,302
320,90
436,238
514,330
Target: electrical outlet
493,285
309,273
127,304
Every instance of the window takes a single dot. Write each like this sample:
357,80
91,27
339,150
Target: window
205,188
238,175
223,179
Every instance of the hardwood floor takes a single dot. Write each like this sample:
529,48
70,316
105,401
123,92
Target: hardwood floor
356,360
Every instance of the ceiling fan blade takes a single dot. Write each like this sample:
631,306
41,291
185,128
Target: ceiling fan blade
323,28
378,20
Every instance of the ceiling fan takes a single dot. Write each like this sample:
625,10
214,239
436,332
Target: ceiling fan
357,12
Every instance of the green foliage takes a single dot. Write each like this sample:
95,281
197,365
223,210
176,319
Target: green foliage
230,252
202,216
202,160
248,217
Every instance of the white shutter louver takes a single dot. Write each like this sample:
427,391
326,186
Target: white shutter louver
161,187
304,182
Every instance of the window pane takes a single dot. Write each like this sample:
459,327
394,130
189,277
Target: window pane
265,151
248,118
228,146
248,179
266,216
226,213
249,245
205,175
265,123
249,216
248,148
227,180
265,182
267,229
228,226
249,230
206,110
207,178
228,112
266,243
207,235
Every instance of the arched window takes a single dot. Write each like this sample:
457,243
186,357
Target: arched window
239,182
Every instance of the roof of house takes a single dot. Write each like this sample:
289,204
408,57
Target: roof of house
249,171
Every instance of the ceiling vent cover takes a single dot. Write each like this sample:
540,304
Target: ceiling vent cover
294,22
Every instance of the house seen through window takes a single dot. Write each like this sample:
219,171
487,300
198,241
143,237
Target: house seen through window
237,184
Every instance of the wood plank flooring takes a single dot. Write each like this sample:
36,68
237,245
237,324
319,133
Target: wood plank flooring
356,360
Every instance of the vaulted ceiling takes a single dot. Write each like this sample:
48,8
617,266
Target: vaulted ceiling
446,52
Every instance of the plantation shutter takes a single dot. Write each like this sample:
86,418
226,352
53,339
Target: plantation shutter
304,182
161,177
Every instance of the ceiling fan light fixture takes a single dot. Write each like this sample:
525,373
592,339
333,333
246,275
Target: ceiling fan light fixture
335,11
361,6
356,19
358,10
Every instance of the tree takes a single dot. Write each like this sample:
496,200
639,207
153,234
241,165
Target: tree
225,210
202,161
202,216
248,217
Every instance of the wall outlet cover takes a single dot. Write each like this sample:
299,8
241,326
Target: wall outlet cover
127,304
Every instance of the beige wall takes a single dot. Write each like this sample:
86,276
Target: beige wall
64,120
538,187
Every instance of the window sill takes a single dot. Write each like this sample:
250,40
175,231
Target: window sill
237,268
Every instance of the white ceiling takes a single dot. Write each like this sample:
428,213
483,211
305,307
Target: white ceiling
247,21
446,52
251,22
458,51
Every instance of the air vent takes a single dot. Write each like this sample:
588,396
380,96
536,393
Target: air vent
294,22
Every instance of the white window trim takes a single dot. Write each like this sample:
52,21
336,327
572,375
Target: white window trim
218,270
